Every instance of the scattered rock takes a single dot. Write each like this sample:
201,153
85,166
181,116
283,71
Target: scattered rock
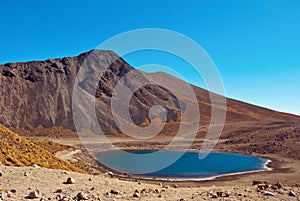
58,191
274,187
82,196
278,184
13,190
34,194
110,174
280,191
35,166
115,192
268,193
226,194
136,195
264,186
43,199
257,182
292,193
70,180
212,195
9,194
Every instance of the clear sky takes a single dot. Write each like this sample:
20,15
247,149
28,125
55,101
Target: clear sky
255,44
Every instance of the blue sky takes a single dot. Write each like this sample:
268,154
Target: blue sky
255,44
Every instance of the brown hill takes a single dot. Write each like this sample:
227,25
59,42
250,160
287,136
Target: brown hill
18,151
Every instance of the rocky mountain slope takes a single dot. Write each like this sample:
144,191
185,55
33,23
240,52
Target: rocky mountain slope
39,93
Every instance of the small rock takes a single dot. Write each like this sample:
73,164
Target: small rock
9,194
274,187
115,192
280,191
82,196
13,190
278,184
70,180
58,191
34,194
226,194
68,198
35,166
175,186
182,199
263,186
268,193
257,182
213,195
90,179
219,194
159,196
1,174
110,174
136,195
25,174
292,193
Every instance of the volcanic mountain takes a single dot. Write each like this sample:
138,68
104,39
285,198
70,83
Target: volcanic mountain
36,98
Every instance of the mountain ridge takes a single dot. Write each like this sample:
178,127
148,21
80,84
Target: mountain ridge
38,93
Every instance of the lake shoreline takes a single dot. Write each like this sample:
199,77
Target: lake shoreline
267,166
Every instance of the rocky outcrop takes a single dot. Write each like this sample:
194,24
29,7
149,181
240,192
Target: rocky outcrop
40,92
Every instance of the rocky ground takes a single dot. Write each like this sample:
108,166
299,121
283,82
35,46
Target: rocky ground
26,183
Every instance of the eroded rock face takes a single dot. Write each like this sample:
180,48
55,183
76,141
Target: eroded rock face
40,92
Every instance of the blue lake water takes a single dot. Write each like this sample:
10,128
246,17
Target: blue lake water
189,165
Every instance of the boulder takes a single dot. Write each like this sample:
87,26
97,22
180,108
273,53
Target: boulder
115,192
82,196
292,193
136,195
70,180
278,184
268,193
34,194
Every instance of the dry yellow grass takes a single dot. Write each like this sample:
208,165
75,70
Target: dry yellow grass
19,151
